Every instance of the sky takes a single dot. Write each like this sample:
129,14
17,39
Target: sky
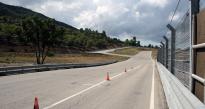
123,19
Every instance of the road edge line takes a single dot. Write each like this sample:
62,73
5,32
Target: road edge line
152,88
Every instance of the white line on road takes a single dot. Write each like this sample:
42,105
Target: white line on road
152,90
74,95
88,84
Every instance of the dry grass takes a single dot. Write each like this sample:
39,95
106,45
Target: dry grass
130,51
154,53
84,58
29,58
127,51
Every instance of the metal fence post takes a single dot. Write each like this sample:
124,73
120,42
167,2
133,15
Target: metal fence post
163,53
166,51
158,55
173,34
191,12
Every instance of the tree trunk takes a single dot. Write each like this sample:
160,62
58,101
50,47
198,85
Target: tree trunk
37,56
42,54
38,50
45,55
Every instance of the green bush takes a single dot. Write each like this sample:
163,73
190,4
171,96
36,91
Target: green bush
50,54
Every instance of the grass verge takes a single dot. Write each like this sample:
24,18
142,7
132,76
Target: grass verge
17,59
131,50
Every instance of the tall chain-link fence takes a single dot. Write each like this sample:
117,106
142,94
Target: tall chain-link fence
175,53
183,53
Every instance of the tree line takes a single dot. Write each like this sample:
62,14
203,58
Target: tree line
132,42
43,35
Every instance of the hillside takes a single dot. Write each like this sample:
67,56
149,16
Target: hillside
20,13
75,40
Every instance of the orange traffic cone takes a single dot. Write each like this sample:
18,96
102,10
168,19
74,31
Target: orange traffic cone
36,106
108,77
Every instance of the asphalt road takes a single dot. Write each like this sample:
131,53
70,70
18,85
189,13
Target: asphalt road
86,88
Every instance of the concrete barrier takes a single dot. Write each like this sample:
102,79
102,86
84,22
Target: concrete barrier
177,95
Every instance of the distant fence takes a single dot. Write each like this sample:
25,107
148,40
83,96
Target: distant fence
38,68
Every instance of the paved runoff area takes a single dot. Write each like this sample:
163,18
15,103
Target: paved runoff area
134,84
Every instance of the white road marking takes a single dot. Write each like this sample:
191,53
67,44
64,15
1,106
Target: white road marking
88,84
48,107
89,88
152,88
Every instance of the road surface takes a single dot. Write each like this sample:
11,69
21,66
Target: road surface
86,88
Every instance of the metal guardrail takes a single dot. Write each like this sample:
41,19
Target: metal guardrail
202,45
194,74
38,68
177,95
200,79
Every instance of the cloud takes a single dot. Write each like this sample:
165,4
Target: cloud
145,19
157,3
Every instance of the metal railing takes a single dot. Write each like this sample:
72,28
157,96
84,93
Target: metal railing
37,68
